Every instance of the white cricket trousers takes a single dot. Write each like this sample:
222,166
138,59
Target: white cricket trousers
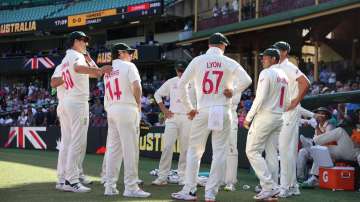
344,150
288,148
177,127
262,136
64,143
198,138
77,114
232,152
122,144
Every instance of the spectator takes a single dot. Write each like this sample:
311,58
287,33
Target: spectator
152,112
216,10
51,116
8,121
345,148
22,120
2,121
323,126
225,9
39,117
235,5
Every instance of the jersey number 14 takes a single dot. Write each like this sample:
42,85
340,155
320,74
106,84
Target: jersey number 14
113,94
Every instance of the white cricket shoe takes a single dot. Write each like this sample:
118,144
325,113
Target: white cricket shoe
263,195
284,193
295,191
111,191
139,193
173,179
210,197
60,186
85,181
77,188
181,183
229,187
258,188
182,195
159,182
139,182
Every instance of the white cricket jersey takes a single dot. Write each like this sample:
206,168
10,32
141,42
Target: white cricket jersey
293,73
236,98
76,85
171,88
212,73
118,84
272,93
60,90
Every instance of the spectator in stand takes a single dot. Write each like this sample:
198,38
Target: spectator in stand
152,111
324,75
156,82
309,66
8,121
225,9
22,120
235,5
51,116
39,117
2,121
97,111
188,26
216,10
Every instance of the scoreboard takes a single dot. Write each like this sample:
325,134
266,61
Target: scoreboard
97,18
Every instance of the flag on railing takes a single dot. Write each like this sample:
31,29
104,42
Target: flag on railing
29,133
39,63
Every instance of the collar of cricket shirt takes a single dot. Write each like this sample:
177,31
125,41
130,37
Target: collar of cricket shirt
215,50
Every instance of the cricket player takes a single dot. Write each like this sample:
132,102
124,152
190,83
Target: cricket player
177,126
57,82
232,151
123,107
214,75
289,135
266,116
75,73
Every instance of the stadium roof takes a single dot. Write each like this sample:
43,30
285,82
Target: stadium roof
279,19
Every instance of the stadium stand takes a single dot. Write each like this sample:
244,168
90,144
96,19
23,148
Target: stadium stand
27,14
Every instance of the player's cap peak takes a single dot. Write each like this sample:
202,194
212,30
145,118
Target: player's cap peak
272,52
122,47
219,38
79,35
282,45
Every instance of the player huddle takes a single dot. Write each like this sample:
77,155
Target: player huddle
203,99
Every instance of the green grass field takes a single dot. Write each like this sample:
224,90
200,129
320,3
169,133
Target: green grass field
29,175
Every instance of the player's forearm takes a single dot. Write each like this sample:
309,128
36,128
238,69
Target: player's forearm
303,86
87,70
55,82
184,95
137,91
162,107
306,113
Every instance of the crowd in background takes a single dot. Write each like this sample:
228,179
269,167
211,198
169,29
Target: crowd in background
33,104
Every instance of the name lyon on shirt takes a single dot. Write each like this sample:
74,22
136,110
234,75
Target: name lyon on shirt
214,64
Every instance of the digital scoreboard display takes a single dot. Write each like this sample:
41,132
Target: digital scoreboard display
103,17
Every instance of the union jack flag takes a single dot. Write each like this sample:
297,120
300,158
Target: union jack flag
30,133
37,62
